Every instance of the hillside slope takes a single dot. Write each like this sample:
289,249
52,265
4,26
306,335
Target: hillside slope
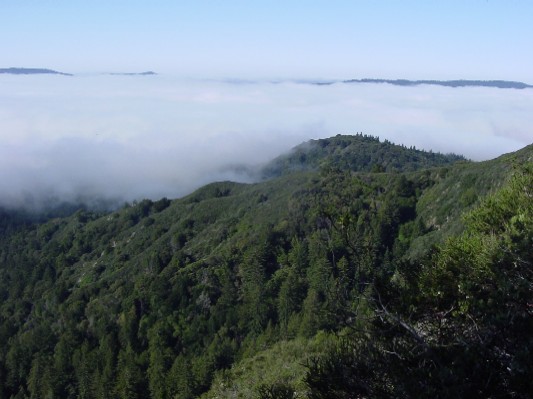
155,299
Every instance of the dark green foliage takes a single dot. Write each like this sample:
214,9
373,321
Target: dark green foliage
155,299
462,328
351,369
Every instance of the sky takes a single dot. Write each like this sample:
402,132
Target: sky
474,39
96,136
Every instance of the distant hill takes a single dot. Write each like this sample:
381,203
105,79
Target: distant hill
32,71
500,84
359,153
40,71
147,73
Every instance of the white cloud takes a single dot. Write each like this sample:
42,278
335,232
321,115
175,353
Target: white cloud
133,137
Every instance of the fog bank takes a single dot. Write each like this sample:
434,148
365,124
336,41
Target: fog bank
133,137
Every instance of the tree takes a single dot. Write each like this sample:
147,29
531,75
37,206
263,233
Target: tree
180,379
252,273
157,368
130,383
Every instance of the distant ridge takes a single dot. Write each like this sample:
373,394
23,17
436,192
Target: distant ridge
41,71
133,73
32,71
500,84
357,153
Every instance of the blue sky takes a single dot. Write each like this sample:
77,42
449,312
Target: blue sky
474,39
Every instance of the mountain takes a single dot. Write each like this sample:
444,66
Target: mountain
32,71
500,84
333,265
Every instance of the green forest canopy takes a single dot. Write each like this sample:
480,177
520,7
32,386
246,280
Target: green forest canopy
343,274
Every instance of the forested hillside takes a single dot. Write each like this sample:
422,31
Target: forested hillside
349,272
358,153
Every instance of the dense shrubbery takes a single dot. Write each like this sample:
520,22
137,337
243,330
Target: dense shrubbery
462,328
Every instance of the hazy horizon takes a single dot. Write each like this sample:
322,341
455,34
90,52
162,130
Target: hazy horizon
129,137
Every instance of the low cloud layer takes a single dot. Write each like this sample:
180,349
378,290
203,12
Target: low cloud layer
126,138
